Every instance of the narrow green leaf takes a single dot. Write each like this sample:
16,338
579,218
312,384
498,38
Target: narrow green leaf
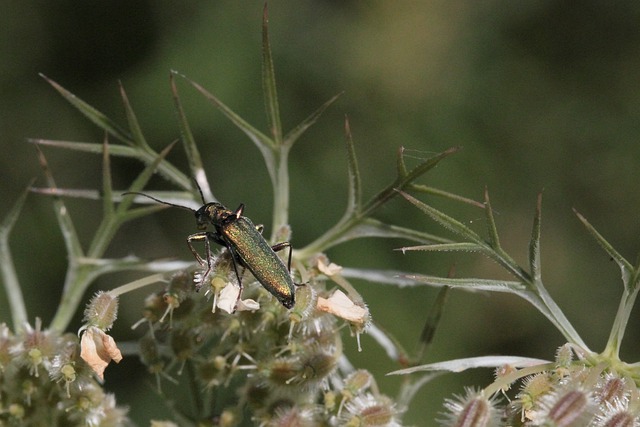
189,143
183,198
354,199
107,186
534,244
384,277
89,147
626,268
141,180
134,125
445,194
371,227
95,116
433,320
495,253
424,167
262,141
69,234
446,221
472,284
7,267
445,247
459,365
67,192
492,230
132,263
176,197
165,169
269,82
403,181
292,136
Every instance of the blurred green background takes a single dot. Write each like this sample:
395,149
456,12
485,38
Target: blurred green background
541,95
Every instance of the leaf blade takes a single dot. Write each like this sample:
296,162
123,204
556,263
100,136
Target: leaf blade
269,82
91,113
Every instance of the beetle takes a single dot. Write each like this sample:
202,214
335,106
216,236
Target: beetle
246,245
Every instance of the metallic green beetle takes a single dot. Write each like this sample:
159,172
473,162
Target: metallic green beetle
247,247
245,243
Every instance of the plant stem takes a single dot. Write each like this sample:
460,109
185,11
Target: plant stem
280,191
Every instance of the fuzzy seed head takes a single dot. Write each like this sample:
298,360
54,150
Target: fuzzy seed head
568,408
612,389
621,419
368,410
101,311
294,416
471,410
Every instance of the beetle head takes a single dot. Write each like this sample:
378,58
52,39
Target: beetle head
211,213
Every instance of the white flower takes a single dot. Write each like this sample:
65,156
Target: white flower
228,298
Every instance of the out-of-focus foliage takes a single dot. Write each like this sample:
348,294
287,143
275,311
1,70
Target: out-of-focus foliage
540,94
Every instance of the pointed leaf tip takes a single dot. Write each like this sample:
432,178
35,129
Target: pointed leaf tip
269,84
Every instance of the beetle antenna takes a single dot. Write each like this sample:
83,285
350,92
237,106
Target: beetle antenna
160,201
199,191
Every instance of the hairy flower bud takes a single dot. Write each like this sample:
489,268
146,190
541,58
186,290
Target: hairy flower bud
101,311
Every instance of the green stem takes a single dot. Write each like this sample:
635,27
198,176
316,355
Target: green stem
76,283
137,284
79,277
280,191
620,324
547,306
12,285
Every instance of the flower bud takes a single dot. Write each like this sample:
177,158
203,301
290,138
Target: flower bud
101,311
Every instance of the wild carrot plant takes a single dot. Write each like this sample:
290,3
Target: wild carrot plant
245,358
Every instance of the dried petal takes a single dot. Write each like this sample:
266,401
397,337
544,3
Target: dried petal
98,349
340,305
329,270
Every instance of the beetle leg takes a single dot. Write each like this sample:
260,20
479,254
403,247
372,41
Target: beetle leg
280,246
234,262
198,237
208,262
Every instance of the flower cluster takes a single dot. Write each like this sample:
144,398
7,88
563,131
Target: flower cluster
284,364
581,387
246,356
567,393
43,381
